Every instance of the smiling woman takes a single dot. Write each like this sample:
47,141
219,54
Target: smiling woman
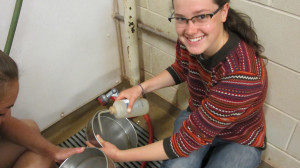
21,139
219,57
236,22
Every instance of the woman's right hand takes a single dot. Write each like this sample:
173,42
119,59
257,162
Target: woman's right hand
109,149
131,94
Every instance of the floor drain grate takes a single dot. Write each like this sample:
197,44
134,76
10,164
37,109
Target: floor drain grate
78,140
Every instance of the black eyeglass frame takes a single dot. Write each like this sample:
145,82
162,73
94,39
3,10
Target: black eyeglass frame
191,19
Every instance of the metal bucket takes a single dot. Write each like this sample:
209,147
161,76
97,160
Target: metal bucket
91,157
119,132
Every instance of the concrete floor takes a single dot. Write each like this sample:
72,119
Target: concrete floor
161,112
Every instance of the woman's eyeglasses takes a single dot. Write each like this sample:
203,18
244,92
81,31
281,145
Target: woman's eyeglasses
198,20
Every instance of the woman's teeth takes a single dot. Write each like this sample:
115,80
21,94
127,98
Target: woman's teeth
196,39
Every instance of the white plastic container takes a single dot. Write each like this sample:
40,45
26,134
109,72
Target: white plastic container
119,108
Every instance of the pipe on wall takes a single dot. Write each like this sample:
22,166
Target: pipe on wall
147,28
13,26
130,22
119,38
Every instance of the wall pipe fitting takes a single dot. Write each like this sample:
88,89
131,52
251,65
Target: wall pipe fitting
13,26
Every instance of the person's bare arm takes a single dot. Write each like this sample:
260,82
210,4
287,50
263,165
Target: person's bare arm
150,152
19,133
164,79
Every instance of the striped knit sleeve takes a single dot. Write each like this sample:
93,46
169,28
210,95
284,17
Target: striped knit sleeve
176,69
238,97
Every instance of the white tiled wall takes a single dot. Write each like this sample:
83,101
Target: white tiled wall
279,123
284,91
290,6
277,23
293,146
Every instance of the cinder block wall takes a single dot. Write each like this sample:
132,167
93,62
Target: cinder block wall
277,23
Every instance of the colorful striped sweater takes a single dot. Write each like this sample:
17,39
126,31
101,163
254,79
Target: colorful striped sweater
227,92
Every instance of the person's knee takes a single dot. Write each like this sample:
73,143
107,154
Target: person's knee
32,124
30,159
234,155
194,160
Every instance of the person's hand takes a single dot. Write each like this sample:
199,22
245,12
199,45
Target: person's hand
131,94
63,153
109,149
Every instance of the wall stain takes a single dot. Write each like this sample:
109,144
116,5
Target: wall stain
128,49
132,26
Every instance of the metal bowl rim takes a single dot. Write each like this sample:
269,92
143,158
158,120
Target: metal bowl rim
92,127
86,148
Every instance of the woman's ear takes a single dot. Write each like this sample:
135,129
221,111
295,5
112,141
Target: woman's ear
224,12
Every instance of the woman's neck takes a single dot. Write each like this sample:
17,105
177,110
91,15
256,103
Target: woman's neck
223,39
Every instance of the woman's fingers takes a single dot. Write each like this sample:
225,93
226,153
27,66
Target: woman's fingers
130,105
100,139
120,97
89,144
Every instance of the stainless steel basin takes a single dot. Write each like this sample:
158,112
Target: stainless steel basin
119,132
91,158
